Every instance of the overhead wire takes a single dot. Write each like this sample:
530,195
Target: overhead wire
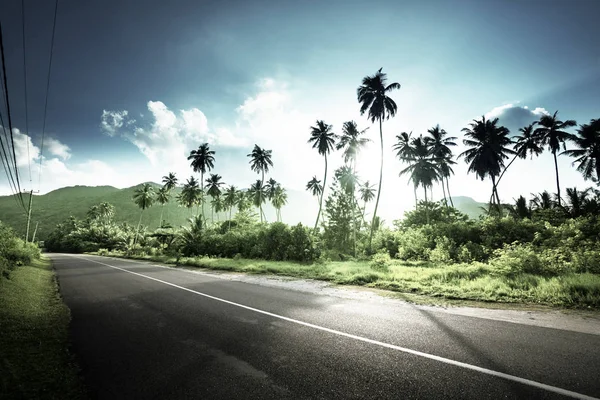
25,89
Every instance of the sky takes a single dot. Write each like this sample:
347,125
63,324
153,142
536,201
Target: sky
136,85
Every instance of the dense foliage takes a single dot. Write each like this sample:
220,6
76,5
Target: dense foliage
14,251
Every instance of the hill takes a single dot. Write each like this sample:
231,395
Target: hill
468,206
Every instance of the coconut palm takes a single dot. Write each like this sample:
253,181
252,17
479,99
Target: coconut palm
260,161
203,160
525,143
348,182
270,188
279,199
322,139
489,147
190,194
577,200
143,197
243,200
440,147
551,132
230,199
93,213
106,211
213,185
542,201
587,141
367,194
162,197
351,142
404,150
520,210
258,196
217,205
169,181
373,97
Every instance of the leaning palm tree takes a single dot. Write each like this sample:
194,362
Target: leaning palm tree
552,133
279,199
162,197
258,196
260,161
441,151
367,194
322,139
203,160
169,181
315,188
488,148
525,143
373,97
230,200
587,141
213,185
143,197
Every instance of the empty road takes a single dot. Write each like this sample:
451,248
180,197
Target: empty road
148,332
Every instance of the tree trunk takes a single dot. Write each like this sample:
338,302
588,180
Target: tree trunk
380,179
444,191
230,208
416,199
557,180
137,231
363,213
504,170
449,196
34,232
202,192
426,204
354,211
322,194
162,208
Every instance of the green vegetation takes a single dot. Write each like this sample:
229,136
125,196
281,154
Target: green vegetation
34,360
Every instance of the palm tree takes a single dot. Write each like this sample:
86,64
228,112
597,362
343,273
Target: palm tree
279,199
162,197
202,160
488,144
520,209
587,141
260,161
315,188
552,133
270,188
348,182
217,204
93,213
526,143
322,139
542,201
258,195
213,184
144,198
404,152
169,181
441,151
373,97
190,194
230,200
243,200
367,193
577,201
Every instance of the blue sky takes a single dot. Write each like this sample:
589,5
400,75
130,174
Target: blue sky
237,73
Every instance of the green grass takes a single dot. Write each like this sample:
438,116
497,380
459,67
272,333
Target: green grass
34,358
472,282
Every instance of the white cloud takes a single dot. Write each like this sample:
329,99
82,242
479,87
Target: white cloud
56,148
112,121
514,116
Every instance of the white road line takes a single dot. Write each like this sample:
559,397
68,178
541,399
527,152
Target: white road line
482,370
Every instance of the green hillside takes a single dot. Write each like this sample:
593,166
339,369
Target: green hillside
468,206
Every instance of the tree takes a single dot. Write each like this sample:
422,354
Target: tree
270,188
338,222
488,144
520,210
367,194
279,199
348,181
404,152
441,151
190,193
217,205
587,153
542,201
577,200
244,200
143,197
230,200
162,197
169,181
552,133
202,160
373,97
260,161
258,196
213,183
106,211
322,139
526,143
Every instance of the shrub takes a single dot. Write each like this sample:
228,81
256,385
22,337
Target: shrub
381,262
519,258
103,252
444,251
585,260
414,244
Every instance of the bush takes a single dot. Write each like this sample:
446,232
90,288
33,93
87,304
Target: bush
414,244
14,251
381,262
444,251
518,258
586,261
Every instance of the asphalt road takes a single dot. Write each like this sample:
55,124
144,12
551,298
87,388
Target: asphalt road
148,332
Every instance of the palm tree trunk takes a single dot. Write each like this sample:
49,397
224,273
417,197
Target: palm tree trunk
557,180
363,213
354,211
444,191
426,204
416,199
137,231
162,208
380,178
202,192
322,194
449,196
504,170
230,208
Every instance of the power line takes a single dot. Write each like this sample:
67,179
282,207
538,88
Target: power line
9,117
47,91
25,87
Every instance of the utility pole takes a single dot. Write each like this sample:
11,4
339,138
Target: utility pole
34,232
29,214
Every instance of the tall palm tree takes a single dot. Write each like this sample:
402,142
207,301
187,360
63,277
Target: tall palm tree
373,97
525,143
322,139
217,205
230,200
258,196
404,150
367,194
552,133
244,201
348,182
489,147
143,197
169,181
190,194
279,199
162,197
203,160
260,161
587,141
315,188
213,184
441,151
270,188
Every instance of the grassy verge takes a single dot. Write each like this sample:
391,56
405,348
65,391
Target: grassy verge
460,282
34,360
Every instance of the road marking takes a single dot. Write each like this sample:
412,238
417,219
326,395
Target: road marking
444,360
